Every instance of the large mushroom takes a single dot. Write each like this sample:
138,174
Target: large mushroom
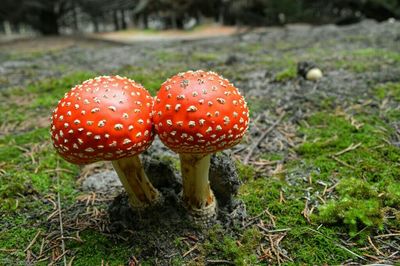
195,114
108,118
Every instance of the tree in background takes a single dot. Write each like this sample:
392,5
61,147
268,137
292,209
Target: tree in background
50,16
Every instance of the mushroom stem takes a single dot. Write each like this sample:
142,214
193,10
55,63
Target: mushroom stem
197,195
140,191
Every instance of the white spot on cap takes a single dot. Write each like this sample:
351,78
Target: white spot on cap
192,123
112,108
139,134
118,126
226,120
130,127
101,123
125,115
89,122
218,128
95,110
177,107
113,144
140,121
192,108
221,101
169,122
97,137
76,106
126,141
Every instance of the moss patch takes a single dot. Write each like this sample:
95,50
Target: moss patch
363,191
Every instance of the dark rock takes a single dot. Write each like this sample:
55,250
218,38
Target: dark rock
224,179
161,173
232,59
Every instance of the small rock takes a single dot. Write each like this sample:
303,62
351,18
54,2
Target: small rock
106,181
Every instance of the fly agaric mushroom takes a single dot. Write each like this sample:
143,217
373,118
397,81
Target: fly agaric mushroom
108,118
197,113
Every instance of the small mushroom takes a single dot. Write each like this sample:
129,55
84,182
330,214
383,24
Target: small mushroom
195,114
108,118
309,71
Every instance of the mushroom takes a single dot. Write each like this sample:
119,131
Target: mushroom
195,114
309,71
108,118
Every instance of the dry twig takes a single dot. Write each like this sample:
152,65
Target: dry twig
261,138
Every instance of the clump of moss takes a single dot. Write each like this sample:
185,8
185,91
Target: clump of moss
368,175
369,59
222,246
286,74
389,89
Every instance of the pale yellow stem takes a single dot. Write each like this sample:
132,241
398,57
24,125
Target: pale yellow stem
138,187
197,194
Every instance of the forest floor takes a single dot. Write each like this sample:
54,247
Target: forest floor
322,186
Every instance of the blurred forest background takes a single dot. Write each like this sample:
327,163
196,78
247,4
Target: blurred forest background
53,17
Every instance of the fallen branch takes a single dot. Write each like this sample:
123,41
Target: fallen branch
350,148
262,137
60,218
32,242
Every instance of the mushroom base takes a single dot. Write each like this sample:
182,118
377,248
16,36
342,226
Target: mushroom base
138,187
197,196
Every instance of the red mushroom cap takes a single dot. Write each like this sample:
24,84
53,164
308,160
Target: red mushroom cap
199,112
105,118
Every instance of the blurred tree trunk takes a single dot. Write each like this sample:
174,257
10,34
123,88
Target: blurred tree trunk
48,22
124,25
116,20
75,25
95,24
145,20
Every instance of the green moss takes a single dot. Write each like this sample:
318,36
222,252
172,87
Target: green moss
204,57
363,191
286,74
389,89
15,235
97,249
369,59
150,79
246,172
168,56
222,246
303,241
